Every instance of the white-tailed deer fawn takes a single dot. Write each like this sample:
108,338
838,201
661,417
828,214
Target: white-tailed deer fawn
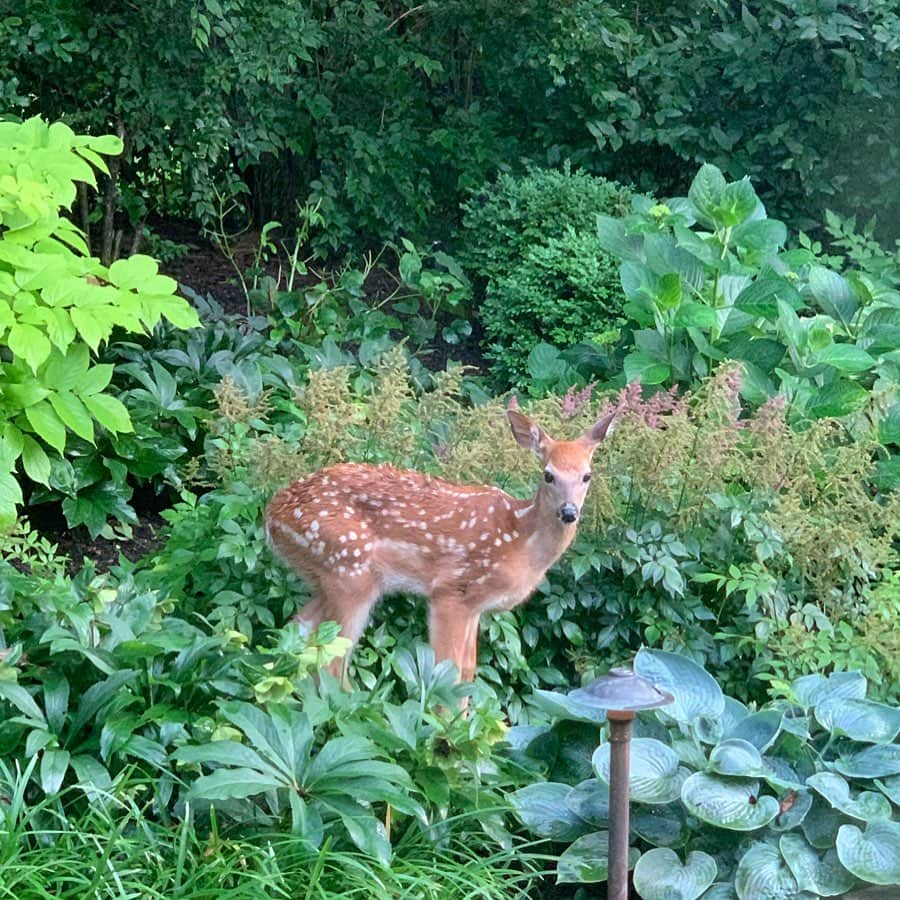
357,532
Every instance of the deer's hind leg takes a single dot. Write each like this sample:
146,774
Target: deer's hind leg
346,599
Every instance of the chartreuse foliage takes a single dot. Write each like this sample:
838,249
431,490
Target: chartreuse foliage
708,278
58,304
796,799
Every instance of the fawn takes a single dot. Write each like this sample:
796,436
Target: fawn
357,532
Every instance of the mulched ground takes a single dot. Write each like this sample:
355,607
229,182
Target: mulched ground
206,271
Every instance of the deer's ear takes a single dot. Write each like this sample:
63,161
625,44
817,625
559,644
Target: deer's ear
528,434
602,428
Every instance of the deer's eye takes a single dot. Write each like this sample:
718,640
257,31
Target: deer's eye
548,477
587,477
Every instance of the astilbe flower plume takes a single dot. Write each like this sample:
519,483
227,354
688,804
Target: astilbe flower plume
575,401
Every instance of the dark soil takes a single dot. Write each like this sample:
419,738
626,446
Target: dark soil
207,272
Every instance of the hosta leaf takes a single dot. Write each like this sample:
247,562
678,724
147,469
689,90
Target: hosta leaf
762,874
544,809
810,690
759,728
655,776
820,825
861,720
589,800
695,691
660,875
890,787
737,757
721,891
794,806
587,859
873,855
736,806
566,706
661,826
822,875
874,762
867,806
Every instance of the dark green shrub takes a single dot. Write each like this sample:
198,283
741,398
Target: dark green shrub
531,243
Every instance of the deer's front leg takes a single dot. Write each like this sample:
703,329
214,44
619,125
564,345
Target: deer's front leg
450,628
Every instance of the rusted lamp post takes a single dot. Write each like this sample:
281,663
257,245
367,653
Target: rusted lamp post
622,694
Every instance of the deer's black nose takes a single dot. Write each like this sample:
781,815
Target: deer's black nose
568,512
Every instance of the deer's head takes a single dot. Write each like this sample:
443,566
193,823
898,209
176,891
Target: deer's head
567,464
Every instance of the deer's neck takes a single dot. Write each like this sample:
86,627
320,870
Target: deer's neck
544,534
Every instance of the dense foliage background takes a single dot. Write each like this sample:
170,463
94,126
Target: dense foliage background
425,211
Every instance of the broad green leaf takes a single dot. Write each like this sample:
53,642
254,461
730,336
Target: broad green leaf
795,807
873,855
35,461
867,806
727,803
695,691
834,294
660,875
823,875
860,720
54,765
761,235
90,326
232,784
370,835
94,380
691,314
543,808
791,326
737,757
661,826
668,295
47,425
820,825
839,398
21,700
655,776
612,237
73,413
738,201
706,192
587,860
28,343
646,369
846,358
10,498
109,412
873,762
762,874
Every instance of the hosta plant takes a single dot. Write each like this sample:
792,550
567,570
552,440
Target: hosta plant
58,304
798,799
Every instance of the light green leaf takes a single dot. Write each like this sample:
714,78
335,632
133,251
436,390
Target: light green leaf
706,192
846,358
47,424
726,803
109,412
660,875
35,461
28,343
655,775
695,691
873,856
73,413
641,366
738,201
